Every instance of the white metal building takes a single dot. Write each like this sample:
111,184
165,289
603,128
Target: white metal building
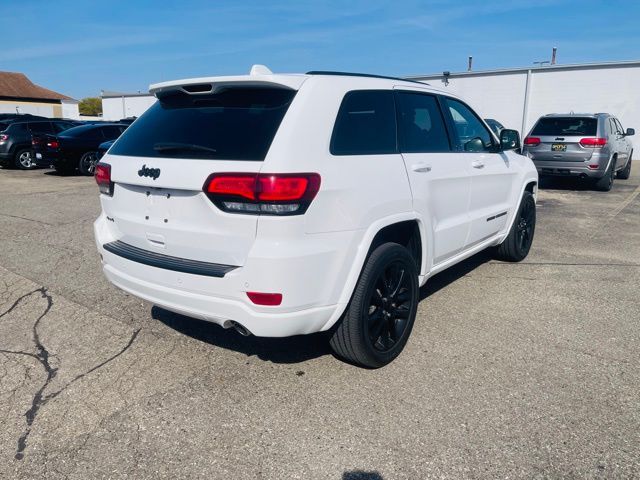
518,97
117,105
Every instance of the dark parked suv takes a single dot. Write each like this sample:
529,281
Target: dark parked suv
593,146
15,139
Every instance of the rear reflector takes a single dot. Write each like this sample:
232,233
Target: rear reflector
264,193
593,142
268,299
103,178
532,141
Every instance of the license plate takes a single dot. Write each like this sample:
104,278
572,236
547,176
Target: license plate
39,156
558,147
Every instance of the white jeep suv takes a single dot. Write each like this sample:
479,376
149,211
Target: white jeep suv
289,204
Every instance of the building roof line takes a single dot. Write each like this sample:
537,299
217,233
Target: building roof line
111,94
533,68
17,85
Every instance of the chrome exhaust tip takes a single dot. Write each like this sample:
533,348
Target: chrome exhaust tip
240,329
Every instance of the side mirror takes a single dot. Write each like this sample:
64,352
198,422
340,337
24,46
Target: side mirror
509,140
474,145
630,132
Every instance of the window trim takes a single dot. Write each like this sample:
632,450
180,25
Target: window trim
459,148
617,122
435,96
335,123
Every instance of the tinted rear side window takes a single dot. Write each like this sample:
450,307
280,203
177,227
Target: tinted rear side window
420,124
234,124
566,126
17,128
366,124
41,127
111,132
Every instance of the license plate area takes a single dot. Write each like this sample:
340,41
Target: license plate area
160,205
558,147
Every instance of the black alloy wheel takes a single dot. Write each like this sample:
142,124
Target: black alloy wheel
390,306
525,226
378,321
517,244
87,164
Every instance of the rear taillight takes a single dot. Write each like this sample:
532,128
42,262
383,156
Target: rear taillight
103,178
264,193
53,144
532,141
593,142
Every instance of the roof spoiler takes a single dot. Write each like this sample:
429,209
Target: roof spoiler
259,76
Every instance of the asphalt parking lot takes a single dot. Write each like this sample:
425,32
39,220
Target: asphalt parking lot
513,370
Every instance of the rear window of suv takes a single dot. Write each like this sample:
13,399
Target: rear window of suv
236,123
566,126
366,124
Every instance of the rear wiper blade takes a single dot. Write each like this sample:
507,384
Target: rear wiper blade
171,146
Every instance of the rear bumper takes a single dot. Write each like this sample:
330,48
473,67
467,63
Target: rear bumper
6,158
595,167
222,311
46,160
302,278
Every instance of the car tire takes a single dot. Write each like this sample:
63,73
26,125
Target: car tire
378,321
87,163
23,159
516,246
605,183
625,173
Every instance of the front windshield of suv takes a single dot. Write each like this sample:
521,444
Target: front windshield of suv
236,123
566,126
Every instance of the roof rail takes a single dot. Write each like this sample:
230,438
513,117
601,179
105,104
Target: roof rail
367,75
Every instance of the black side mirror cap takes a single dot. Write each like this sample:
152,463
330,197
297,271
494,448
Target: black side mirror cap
630,132
509,140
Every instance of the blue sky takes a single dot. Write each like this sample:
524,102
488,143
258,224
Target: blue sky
81,47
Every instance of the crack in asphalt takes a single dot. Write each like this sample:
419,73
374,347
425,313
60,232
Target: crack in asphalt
27,219
42,356
93,369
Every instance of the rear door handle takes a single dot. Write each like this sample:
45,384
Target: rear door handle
477,164
421,167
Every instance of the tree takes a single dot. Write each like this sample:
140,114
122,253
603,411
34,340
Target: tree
90,106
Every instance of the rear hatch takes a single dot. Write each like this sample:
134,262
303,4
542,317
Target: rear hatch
160,164
558,139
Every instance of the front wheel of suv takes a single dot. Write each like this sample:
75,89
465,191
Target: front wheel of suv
605,183
24,159
379,319
625,173
516,246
